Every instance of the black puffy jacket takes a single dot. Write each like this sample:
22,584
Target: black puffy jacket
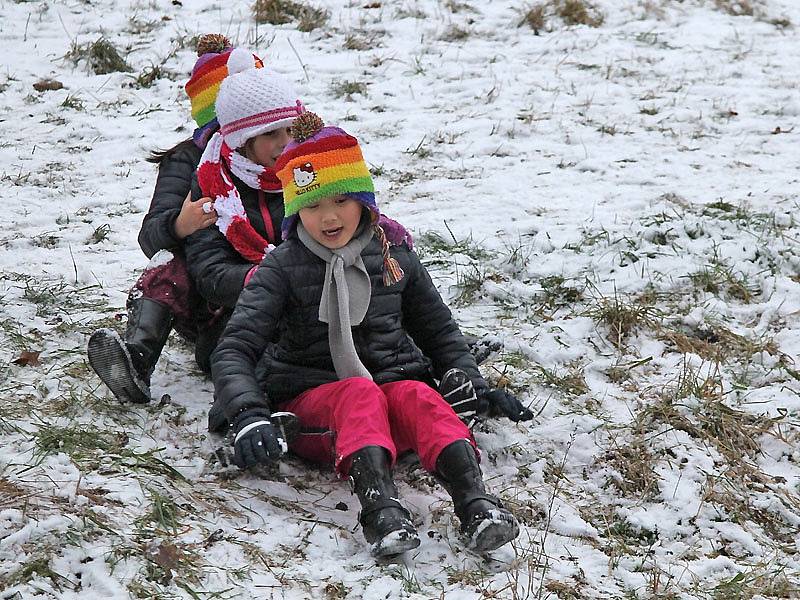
407,330
175,172
217,268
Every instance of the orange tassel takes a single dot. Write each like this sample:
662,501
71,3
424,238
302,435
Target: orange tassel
392,271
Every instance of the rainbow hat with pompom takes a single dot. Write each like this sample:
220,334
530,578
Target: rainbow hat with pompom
211,68
321,162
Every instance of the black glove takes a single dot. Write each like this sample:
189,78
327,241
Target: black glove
256,439
499,403
458,391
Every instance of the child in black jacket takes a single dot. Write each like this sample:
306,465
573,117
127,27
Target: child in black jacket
342,329
164,297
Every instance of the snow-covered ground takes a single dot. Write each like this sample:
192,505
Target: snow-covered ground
616,203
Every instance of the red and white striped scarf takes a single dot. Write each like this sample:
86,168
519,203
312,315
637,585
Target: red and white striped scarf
214,176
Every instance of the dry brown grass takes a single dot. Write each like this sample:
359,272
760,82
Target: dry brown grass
571,381
535,17
635,462
455,33
101,57
734,433
570,12
735,492
279,12
717,344
737,8
624,317
579,12
12,495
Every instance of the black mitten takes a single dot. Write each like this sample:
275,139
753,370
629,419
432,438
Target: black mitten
256,439
499,403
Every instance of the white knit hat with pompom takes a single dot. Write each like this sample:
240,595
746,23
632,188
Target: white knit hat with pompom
253,101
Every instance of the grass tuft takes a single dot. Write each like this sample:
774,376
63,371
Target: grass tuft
736,8
37,566
101,56
280,12
570,12
434,244
623,317
73,101
534,17
579,12
717,278
469,282
149,75
348,89
90,446
634,462
454,33
572,381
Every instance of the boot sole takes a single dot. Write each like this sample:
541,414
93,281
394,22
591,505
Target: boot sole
394,543
493,532
110,359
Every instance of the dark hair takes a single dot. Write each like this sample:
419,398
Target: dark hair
159,156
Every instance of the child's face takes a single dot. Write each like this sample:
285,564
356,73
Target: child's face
265,149
332,221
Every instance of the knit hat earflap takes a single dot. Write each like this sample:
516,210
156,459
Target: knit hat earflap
211,68
321,162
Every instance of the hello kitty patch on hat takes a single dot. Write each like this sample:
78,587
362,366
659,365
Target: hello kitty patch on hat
304,175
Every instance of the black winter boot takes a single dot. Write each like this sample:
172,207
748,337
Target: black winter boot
484,521
125,365
387,525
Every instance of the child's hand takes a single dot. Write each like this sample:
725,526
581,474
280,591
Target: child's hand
499,403
257,440
194,215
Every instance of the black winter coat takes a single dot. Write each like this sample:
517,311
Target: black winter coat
217,269
173,183
407,330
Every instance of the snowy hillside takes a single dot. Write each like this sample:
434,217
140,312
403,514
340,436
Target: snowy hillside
611,190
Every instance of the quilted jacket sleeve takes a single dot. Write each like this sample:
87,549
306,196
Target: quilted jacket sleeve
431,325
172,185
217,268
253,323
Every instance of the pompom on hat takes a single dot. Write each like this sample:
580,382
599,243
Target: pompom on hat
211,68
252,101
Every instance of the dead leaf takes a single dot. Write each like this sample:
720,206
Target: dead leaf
27,359
167,557
44,85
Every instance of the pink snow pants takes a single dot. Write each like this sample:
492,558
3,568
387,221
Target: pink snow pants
354,413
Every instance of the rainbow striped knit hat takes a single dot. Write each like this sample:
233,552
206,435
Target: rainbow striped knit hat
321,162
209,71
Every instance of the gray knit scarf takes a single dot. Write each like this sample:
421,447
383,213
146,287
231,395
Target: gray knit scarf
346,293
